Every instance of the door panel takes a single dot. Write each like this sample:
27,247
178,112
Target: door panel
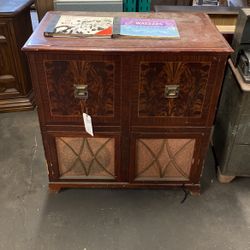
168,156
8,79
172,90
62,79
78,156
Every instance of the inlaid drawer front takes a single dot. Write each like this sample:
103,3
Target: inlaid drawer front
172,91
86,158
76,86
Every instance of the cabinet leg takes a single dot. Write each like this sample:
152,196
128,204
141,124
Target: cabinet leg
54,188
224,178
194,191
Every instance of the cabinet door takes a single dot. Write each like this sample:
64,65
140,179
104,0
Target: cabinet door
168,156
173,89
62,76
74,156
8,80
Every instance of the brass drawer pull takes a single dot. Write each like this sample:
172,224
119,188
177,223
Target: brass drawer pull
81,91
7,79
3,39
171,91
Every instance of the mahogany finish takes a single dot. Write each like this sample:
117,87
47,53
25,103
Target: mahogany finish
144,138
15,28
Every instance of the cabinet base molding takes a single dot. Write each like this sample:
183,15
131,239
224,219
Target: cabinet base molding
55,187
18,104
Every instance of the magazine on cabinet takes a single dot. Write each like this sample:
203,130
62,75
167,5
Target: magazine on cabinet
102,27
145,28
79,26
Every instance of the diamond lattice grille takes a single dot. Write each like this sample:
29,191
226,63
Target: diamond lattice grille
164,158
88,157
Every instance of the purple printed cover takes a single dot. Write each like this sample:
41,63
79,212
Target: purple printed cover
148,27
148,22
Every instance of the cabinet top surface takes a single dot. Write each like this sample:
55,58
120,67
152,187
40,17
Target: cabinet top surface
10,7
197,33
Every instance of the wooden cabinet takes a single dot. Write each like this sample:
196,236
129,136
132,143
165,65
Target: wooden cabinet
15,29
152,104
232,132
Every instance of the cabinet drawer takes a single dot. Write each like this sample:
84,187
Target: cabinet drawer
63,76
8,77
75,156
167,156
174,91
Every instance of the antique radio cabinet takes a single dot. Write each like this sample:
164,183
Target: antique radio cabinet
152,104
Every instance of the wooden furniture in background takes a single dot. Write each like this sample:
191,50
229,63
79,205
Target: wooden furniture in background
152,103
231,138
170,3
42,6
15,28
223,17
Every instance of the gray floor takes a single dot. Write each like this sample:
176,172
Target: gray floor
33,218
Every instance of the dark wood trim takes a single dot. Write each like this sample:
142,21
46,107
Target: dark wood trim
43,6
194,189
18,104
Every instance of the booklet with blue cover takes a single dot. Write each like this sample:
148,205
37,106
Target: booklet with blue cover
145,27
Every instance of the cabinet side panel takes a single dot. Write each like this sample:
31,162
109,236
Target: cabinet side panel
226,125
238,164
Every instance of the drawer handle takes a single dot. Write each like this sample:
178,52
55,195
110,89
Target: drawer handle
81,91
3,39
7,78
171,91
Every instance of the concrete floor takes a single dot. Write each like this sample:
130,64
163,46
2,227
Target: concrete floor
83,219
